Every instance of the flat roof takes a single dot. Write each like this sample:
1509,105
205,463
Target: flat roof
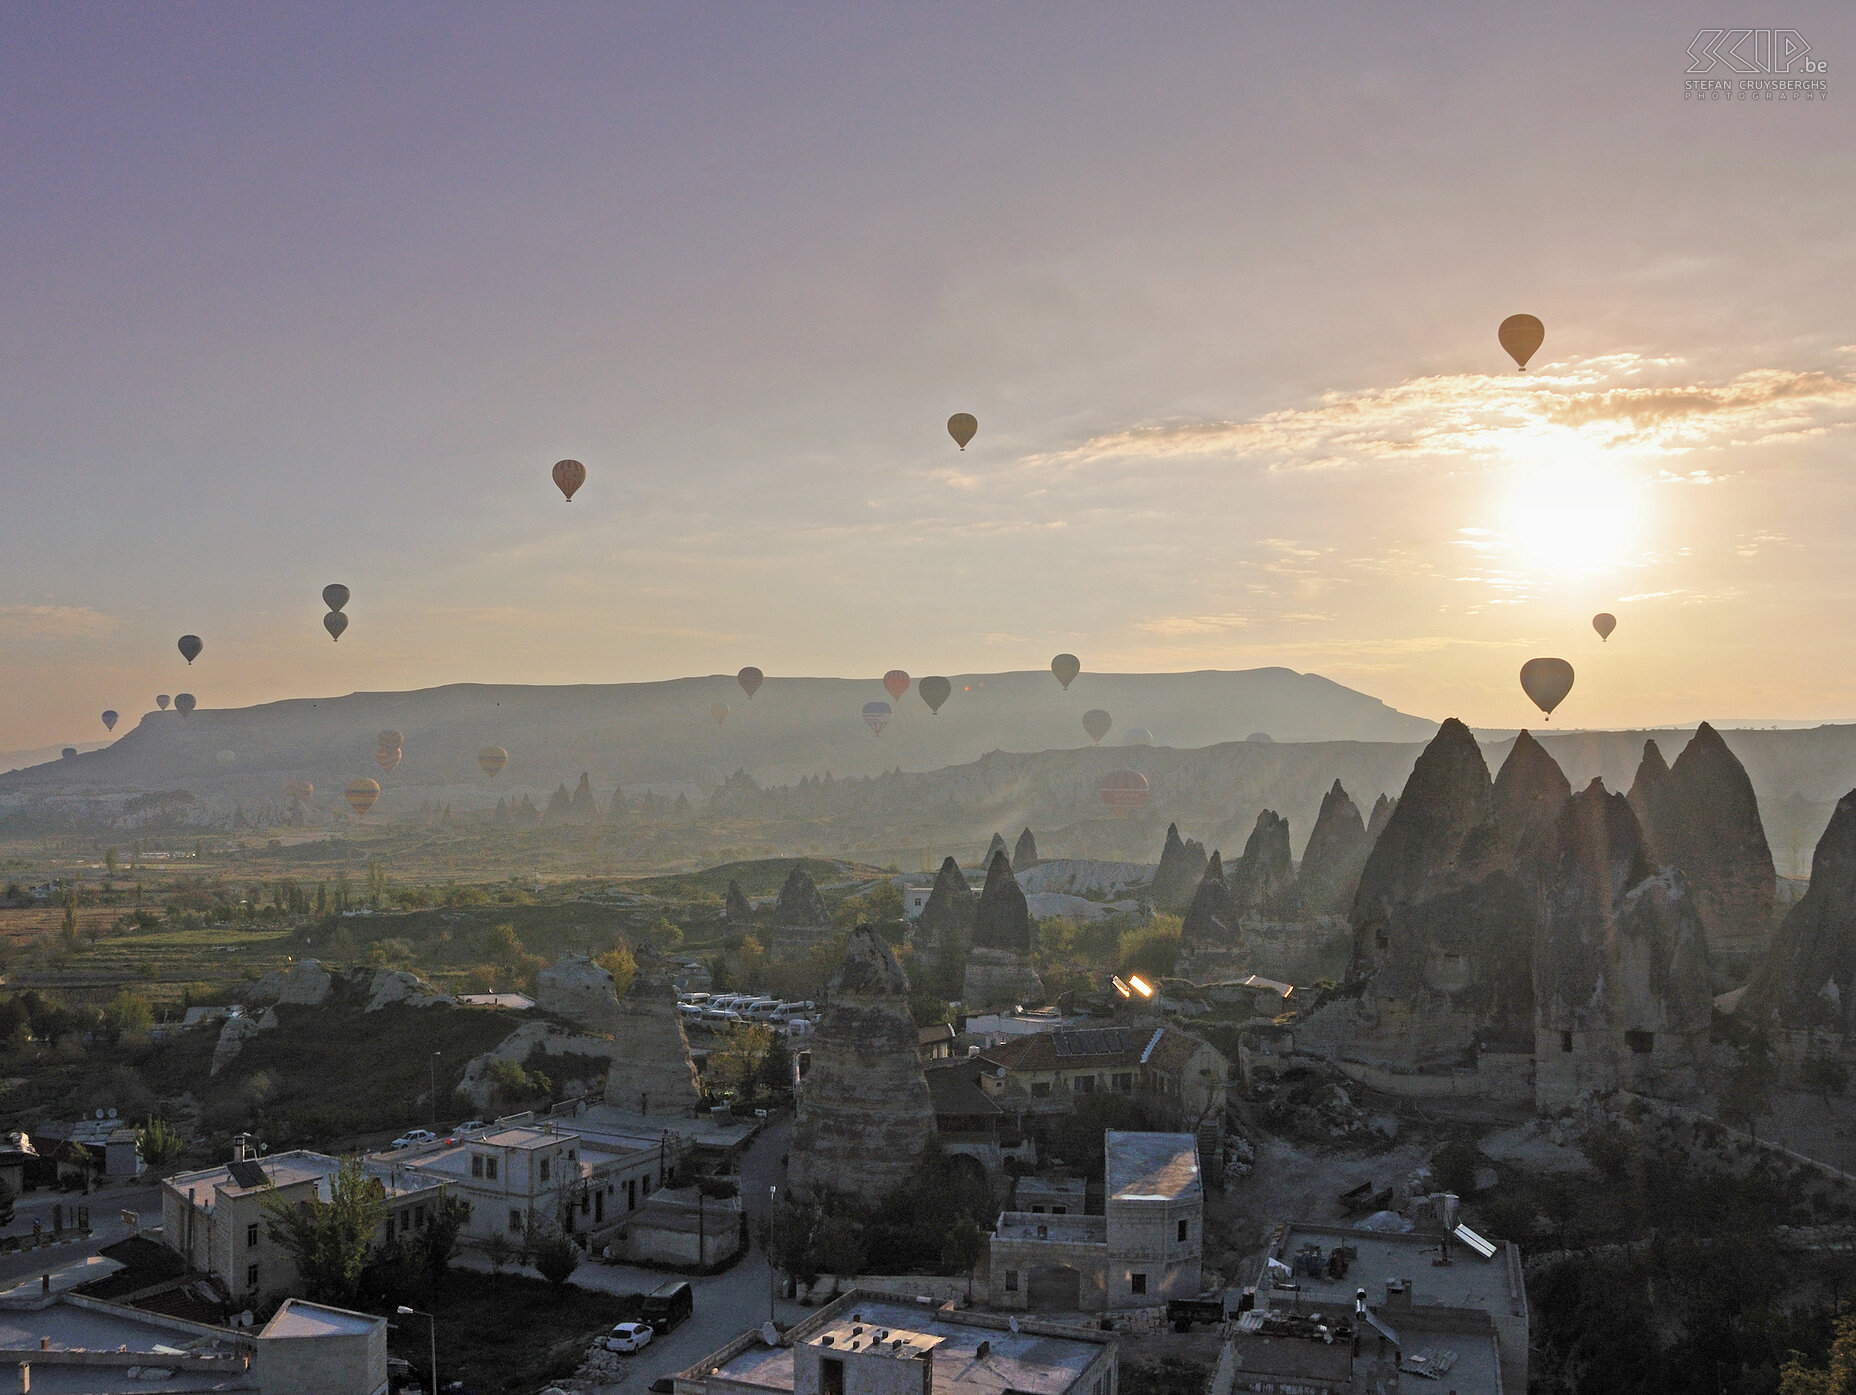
1071,1227
1151,1166
1036,1363
300,1318
1466,1282
893,1343
297,1166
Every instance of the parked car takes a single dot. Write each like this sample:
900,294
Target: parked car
472,1126
629,1336
669,1304
412,1138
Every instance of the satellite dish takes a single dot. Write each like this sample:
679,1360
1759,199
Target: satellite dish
1012,1323
245,1319
99,1113
112,1114
770,1334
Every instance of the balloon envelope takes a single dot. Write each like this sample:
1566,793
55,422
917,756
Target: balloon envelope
569,475
109,720
387,757
335,622
162,700
876,716
934,691
897,683
299,789
1140,736
963,427
1124,791
1604,622
184,703
190,647
1546,681
1521,336
719,712
335,595
361,795
492,759
1097,722
750,679
1066,667
227,757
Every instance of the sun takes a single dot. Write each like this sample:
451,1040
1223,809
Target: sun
1574,514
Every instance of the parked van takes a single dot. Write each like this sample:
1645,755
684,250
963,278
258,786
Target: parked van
761,1010
669,1304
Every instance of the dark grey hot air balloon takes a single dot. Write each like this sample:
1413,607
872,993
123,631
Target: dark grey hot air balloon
335,622
1546,681
335,595
963,427
162,700
1604,622
934,691
1521,336
190,647
184,703
1066,667
750,679
1097,722
109,720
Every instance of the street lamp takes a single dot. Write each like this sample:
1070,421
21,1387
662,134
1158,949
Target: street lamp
432,1327
772,1191
433,1064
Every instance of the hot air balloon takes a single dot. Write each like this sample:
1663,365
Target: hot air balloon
750,679
227,757
109,720
68,753
1066,667
335,622
569,475
361,795
1521,335
299,789
876,717
184,703
335,595
963,426
897,682
1097,722
162,700
720,712
1604,622
492,759
934,691
1139,736
386,758
1546,681
389,739
190,647
1124,791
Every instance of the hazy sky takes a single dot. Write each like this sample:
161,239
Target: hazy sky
308,293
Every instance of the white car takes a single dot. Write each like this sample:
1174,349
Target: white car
412,1138
629,1336
472,1126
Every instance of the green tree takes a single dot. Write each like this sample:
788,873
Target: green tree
127,1012
735,1069
838,1248
1837,1376
1152,949
620,963
109,861
330,1240
161,1142
1747,1092
555,1256
785,1233
962,1248
438,1242
500,1250
1455,1165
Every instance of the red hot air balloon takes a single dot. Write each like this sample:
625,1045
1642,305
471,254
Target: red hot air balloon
1546,681
897,683
492,759
750,679
934,691
876,717
361,795
1604,622
1123,791
1521,336
569,475
109,720
1066,667
190,647
162,700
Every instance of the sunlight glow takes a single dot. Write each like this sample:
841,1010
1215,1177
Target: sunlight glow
1577,515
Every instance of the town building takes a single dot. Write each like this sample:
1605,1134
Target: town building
865,1344
1145,1249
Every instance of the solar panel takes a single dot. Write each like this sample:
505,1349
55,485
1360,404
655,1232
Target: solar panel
248,1174
1097,1041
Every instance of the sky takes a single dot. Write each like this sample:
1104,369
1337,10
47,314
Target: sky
309,293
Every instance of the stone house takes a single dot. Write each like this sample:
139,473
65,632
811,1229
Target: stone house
1178,1077
1144,1249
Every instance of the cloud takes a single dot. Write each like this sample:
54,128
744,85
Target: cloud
55,621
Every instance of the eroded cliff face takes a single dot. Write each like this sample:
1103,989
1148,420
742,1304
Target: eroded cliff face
1182,864
652,1070
800,917
1334,857
1264,876
1528,794
1701,816
1380,817
576,988
1024,851
1808,984
998,969
1621,966
1211,920
735,909
943,932
864,1115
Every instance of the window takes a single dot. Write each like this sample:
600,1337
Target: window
1011,1281
1137,1283
405,1221
1040,1090
251,1235
570,1155
1124,1082
1640,1043
476,1164
544,1169
1183,1227
1566,1043
647,1184
515,1221
1084,1084
1060,1210
251,1276
831,1375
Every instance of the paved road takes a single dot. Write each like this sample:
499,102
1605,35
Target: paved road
106,1207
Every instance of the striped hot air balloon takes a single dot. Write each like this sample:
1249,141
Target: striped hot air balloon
1123,791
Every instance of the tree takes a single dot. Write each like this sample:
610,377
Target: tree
161,1142
838,1248
962,1249
1455,1166
6,1203
127,1012
1824,1076
555,1256
500,1250
1747,1092
1837,1376
622,965
439,1240
736,1067
330,1240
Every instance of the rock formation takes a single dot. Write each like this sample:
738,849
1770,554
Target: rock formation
864,1115
651,1067
398,988
583,805
1025,852
1529,792
1264,875
999,971
1182,864
995,847
1701,816
235,1033
1621,972
943,933
800,917
1333,859
305,983
1211,920
1808,985
736,911
1379,818
576,988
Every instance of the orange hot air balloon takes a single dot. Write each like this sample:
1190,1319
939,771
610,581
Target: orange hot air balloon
335,622
1123,791
1604,622
361,795
162,700
1097,722
386,758
190,647
1066,667
569,475
1546,681
109,720
389,740
934,691
492,759
897,683
299,789
963,427
750,679
720,712
1521,336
